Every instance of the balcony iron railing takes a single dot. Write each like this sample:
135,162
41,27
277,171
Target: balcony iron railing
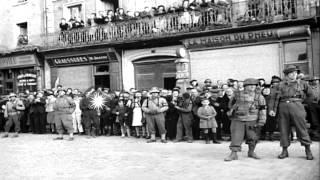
215,17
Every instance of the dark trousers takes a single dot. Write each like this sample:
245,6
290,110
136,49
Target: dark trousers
12,119
23,122
315,117
225,124
292,113
186,124
39,120
195,127
171,126
239,131
91,120
63,120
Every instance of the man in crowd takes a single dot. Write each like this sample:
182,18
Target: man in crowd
314,107
11,113
64,107
248,116
154,108
291,94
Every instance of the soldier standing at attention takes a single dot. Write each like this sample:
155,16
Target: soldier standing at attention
292,92
154,108
64,107
248,110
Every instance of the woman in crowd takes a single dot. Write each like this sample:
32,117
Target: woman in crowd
49,110
76,115
39,114
137,115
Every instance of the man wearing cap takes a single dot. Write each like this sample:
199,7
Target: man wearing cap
248,115
314,107
11,113
64,107
290,95
154,108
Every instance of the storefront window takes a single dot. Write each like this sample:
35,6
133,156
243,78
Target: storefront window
27,79
102,69
296,54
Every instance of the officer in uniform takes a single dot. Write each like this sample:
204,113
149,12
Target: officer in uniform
154,108
64,107
248,115
11,113
291,93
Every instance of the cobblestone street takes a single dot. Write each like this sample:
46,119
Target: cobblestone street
39,157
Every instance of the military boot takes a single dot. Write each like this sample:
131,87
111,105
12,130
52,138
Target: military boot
284,153
232,156
251,152
309,153
207,139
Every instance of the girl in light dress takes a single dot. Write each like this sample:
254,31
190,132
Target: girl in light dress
137,115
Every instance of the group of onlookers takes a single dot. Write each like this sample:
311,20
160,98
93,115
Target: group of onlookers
189,11
178,115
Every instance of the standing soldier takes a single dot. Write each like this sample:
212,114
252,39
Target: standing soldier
248,116
292,92
154,108
64,107
11,113
314,106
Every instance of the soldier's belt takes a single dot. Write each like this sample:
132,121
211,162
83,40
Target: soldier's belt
291,100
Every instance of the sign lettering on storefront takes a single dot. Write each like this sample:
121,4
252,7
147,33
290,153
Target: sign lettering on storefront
81,59
27,79
17,61
231,39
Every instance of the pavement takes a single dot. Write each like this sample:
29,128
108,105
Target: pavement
39,157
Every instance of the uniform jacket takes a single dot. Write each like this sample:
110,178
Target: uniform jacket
248,106
13,107
64,104
155,106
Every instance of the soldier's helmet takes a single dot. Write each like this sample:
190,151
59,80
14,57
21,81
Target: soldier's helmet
250,81
207,81
154,90
290,69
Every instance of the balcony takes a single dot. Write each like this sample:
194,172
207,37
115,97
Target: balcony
213,17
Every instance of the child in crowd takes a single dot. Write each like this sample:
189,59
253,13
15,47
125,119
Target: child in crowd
137,115
207,115
121,112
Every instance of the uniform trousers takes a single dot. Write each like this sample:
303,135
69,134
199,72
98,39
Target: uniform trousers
12,119
240,130
292,113
186,123
63,120
91,118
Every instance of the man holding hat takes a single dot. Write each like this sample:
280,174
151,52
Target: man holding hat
11,113
248,115
291,93
154,108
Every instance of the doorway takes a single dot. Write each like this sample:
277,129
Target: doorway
102,81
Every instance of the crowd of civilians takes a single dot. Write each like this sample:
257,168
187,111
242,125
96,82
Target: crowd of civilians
123,112
189,12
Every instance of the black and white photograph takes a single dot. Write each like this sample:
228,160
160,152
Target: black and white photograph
160,89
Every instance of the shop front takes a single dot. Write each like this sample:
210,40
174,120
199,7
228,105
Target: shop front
19,73
146,68
257,54
81,70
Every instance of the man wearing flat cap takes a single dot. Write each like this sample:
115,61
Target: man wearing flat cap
154,108
11,113
290,95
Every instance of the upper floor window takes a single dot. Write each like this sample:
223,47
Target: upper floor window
295,53
23,36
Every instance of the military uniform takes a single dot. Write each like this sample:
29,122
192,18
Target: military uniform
248,115
290,95
64,107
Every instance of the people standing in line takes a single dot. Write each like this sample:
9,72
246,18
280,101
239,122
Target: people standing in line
271,123
292,92
154,108
49,110
64,107
77,114
208,122
248,115
184,107
11,113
